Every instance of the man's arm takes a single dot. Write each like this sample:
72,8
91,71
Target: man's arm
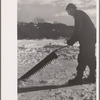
77,29
74,37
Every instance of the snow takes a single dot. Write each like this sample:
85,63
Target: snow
57,72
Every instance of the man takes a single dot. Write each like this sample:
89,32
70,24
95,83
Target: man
84,33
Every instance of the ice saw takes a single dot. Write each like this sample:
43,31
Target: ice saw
41,64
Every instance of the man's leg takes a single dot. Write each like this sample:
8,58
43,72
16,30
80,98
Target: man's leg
80,69
78,79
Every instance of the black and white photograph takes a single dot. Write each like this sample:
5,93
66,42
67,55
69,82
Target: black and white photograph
57,50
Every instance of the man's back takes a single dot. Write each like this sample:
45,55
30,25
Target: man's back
85,27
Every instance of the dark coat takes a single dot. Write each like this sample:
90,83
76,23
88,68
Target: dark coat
85,33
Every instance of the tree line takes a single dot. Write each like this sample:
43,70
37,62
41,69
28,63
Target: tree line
42,30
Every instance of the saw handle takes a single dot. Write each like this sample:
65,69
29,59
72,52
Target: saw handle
61,48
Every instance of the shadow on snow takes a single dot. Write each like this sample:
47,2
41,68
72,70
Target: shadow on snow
37,88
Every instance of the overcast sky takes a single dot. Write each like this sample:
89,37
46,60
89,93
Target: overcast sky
53,10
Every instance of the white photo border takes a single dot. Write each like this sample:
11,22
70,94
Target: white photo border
9,49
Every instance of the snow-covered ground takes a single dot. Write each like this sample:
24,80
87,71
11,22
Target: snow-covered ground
57,72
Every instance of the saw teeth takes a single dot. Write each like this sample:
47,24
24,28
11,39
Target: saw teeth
44,62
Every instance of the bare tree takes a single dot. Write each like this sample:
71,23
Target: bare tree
55,22
38,20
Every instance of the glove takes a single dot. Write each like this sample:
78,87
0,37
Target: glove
69,43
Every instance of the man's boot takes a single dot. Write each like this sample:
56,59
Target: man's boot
77,80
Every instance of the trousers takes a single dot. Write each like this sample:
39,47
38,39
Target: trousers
86,60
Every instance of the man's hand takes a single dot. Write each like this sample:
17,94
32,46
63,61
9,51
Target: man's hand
69,43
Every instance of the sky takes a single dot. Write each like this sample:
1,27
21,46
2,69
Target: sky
53,10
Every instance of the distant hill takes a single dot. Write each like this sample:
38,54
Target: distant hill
43,30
